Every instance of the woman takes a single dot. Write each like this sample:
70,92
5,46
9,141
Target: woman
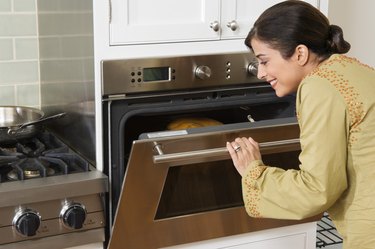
300,52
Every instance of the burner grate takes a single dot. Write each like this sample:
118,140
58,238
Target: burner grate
41,156
326,233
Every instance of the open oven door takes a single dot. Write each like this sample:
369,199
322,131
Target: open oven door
181,186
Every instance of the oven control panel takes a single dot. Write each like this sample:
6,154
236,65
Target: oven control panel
177,73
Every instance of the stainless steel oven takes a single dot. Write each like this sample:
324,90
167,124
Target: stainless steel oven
175,186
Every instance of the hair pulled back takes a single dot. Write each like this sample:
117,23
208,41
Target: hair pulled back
288,24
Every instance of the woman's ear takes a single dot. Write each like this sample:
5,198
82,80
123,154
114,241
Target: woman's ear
301,54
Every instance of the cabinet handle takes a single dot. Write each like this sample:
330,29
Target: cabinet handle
215,26
233,25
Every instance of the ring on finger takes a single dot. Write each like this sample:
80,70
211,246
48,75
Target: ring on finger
237,148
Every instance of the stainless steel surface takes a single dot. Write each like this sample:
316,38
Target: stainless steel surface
206,155
60,241
19,122
59,115
50,188
203,72
145,181
50,222
176,73
15,116
77,128
253,68
11,119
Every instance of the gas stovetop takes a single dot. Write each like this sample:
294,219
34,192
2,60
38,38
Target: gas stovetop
42,156
50,196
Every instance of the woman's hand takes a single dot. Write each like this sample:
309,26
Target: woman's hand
243,151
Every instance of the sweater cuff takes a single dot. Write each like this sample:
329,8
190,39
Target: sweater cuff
250,190
254,170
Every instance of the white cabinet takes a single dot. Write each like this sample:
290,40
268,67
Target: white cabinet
160,21
301,236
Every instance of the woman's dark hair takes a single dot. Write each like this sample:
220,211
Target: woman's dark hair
287,24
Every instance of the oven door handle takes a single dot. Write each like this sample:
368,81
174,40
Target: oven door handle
216,154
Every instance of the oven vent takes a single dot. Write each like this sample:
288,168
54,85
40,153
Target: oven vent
197,98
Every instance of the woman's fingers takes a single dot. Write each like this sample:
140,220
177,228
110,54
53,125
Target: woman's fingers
243,151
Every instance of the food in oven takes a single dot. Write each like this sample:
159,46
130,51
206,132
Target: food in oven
192,122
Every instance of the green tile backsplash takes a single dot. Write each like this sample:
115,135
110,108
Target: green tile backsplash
19,66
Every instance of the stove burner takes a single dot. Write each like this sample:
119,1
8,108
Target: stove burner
28,173
31,173
42,156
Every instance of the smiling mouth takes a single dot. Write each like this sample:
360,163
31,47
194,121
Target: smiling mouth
273,83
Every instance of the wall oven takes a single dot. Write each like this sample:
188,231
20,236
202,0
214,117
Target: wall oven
170,186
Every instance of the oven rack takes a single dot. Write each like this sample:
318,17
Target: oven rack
326,233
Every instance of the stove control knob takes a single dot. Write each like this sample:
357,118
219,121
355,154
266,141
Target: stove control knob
203,72
27,222
73,215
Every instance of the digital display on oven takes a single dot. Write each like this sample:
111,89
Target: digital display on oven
156,74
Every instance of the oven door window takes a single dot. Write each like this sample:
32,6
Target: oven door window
202,187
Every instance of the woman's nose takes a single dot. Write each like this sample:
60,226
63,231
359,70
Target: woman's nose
261,73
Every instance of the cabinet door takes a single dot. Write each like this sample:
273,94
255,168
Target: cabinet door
238,16
295,241
158,21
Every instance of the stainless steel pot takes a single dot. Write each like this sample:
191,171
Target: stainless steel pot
19,122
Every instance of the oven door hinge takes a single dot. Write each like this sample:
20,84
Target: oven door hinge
116,96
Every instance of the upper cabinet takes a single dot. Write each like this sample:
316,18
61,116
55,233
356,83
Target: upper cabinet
162,21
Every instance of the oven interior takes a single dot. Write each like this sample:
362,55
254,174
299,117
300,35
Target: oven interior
232,114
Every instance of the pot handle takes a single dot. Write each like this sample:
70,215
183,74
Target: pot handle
14,130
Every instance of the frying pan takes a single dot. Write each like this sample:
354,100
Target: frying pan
19,122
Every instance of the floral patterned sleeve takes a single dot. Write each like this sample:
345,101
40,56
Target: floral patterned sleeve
273,192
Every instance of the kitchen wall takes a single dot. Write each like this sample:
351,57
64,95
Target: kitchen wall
19,77
56,53
66,52
356,19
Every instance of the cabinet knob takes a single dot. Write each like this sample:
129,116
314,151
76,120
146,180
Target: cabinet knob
215,26
233,25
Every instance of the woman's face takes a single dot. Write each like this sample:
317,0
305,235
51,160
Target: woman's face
284,75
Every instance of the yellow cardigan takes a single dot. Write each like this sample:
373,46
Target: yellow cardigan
336,114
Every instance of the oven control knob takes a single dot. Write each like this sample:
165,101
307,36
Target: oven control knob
73,215
252,68
203,72
27,222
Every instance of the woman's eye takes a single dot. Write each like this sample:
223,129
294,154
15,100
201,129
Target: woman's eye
263,62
